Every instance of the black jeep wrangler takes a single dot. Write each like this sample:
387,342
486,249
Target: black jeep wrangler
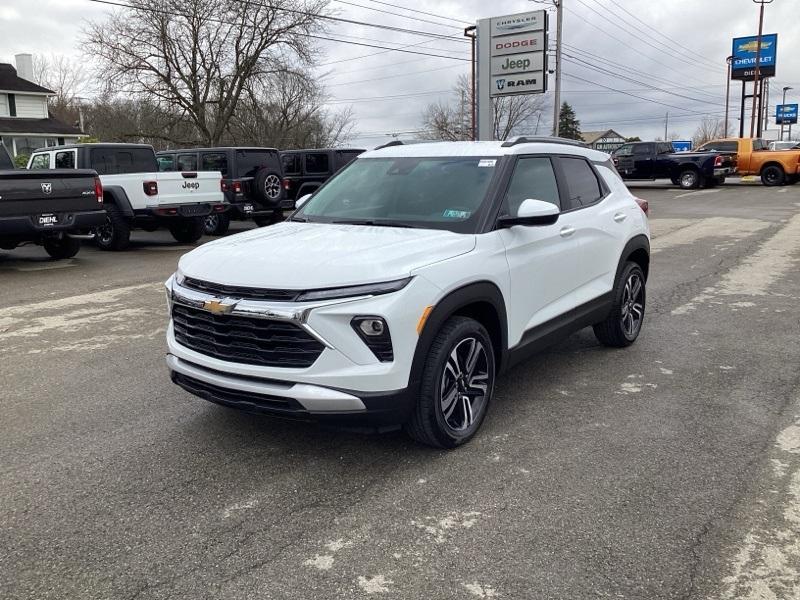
305,170
251,180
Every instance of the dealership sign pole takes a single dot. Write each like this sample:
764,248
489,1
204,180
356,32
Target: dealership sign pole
512,60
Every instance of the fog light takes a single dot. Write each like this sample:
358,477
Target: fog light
372,327
374,332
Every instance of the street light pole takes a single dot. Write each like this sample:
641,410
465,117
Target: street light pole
786,89
559,4
728,60
754,112
471,32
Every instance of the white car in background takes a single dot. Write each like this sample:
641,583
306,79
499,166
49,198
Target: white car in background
402,287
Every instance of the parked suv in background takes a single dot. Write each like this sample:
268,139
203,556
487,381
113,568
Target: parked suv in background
408,281
251,178
135,194
304,171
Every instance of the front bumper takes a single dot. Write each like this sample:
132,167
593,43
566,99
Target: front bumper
28,227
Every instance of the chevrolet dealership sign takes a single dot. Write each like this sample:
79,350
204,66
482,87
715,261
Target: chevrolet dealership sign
517,47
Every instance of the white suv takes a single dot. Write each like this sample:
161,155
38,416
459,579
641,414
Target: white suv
402,287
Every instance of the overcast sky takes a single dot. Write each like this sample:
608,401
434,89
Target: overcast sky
677,45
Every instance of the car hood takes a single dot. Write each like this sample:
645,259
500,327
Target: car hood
294,255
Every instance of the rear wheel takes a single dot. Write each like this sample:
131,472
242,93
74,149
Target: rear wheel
773,175
268,187
624,322
216,224
61,248
689,179
457,385
115,233
189,230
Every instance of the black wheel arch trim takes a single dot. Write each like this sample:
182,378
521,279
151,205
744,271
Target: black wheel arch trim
635,244
120,199
456,300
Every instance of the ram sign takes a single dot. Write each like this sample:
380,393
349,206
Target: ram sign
786,114
744,57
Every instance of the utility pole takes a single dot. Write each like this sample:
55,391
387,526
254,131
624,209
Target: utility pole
470,32
559,4
666,126
754,113
786,89
765,106
728,60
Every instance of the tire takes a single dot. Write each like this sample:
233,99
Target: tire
621,327
115,234
269,220
446,373
189,230
689,179
268,188
61,248
216,224
773,175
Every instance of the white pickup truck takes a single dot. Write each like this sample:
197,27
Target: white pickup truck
136,194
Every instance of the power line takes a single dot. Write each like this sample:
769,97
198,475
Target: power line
422,12
390,97
388,12
392,76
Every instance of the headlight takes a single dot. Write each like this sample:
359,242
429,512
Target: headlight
371,289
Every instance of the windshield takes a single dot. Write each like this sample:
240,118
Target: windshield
433,193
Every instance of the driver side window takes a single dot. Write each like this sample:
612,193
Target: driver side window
535,179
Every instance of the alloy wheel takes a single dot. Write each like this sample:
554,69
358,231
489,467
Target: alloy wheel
632,306
105,232
465,384
272,187
688,180
210,223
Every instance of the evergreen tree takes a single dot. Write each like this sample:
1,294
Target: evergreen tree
568,126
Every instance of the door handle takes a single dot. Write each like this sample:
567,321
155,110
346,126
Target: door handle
567,231
620,217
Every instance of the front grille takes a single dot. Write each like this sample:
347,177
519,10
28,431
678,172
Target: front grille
261,403
194,210
245,293
244,339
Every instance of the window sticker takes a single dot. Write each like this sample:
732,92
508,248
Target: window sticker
449,213
487,162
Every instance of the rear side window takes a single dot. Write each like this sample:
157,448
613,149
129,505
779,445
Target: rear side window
665,149
215,161
582,184
166,162
640,149
624,151
250,162
533,179
345,158
760,145
187,162
291,164
317,162
116,161
40,161
65,160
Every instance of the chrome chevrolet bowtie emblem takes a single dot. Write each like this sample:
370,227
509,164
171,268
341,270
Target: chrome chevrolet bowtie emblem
218,307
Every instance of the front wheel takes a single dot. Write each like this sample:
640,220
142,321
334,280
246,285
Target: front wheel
624,322
188,231
216,224
457,385
773,175
61,248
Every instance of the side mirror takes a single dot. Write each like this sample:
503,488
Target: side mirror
299,202
532,212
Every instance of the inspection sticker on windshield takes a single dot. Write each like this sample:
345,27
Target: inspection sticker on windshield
487,162
449,213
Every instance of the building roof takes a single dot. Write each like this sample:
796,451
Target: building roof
590,137
19,126
11,82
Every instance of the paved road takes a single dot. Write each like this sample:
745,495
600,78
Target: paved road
668,470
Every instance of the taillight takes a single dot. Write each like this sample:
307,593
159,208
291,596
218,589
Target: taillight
287,184
98,189
718,161
150,188
615,160
644,205
223,186
237,187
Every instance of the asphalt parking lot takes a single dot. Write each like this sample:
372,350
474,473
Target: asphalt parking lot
667,470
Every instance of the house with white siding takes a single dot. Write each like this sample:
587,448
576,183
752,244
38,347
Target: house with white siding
25,123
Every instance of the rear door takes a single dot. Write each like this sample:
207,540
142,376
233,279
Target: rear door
643,161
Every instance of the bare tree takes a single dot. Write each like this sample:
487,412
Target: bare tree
70,81
709,129
198,57
510,114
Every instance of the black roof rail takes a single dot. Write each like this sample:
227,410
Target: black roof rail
404,143
529,139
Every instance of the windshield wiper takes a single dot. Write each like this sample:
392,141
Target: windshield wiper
372,223
299,219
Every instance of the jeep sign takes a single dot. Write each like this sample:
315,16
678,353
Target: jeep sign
518,63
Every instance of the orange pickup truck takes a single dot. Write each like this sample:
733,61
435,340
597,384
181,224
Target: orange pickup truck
776,167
